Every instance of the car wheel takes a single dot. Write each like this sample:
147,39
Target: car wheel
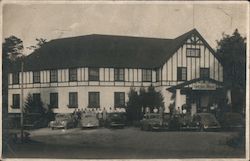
142,128
65,127
147,128
52,128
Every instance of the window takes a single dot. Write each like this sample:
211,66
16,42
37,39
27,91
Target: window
157,75
94,99
15,78
54,100
119,74
36,77
119,99
53,76
181,73
73,100
94,74
15,101
146,75
37,98
73,75
193,52
204,72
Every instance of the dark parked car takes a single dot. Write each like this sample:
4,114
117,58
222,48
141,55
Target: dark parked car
207,121
116,119
89,120
34,121
153,121
232,121
187,122
63,121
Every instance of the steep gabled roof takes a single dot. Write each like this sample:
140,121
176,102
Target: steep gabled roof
104,51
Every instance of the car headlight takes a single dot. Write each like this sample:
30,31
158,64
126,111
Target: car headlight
205,126
64,122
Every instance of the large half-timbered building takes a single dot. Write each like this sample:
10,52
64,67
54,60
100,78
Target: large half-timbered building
99,70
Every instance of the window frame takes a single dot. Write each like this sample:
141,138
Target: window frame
202,74
146,74
118,75
97,103
15,78
36,78
54,75
14,101
72,74
73,104
92,77
180,74
188,54
119,103
53,105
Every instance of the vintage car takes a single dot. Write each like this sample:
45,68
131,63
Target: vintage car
63,121
89,120
15,136
207,121
187,122
232,121
116,119
153,121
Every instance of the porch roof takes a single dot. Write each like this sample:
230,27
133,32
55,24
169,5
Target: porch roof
186,83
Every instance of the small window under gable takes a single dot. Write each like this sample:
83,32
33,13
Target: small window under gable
193,52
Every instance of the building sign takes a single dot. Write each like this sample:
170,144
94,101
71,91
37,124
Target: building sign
204,86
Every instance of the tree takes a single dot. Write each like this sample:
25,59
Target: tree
142,95
232,49
34,106
154,98
39,44
133,105
150,98
12,47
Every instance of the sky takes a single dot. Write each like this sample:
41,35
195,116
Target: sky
165,20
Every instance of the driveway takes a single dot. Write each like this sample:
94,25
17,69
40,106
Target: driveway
127,143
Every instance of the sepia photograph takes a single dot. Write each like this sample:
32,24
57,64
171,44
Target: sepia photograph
125,80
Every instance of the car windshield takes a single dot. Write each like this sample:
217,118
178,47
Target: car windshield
62,117
154,116
208,118
115,115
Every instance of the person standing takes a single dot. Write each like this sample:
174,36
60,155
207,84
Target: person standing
104,116
147,110
99,116
161,115
155,110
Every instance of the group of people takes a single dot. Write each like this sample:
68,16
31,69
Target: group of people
101,113
147,110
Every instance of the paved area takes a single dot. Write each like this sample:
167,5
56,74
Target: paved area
127,143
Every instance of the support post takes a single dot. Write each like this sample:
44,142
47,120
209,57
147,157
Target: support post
22,102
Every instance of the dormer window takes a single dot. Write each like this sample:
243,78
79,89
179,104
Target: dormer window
93,74
36,77
15,78
146,75
119,74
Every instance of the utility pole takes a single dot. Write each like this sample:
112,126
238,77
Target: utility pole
22,99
